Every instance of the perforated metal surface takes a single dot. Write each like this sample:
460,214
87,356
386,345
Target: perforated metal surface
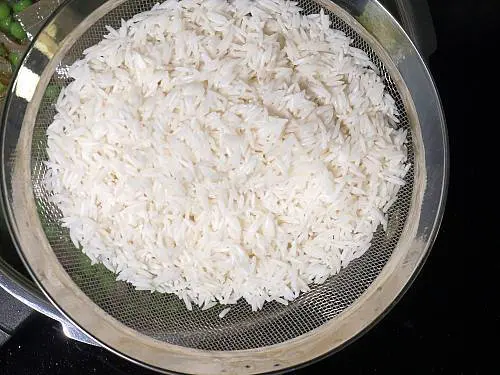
164,317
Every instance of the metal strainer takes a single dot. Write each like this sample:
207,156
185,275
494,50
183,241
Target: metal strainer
157,330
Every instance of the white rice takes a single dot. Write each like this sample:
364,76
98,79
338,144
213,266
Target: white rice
224,312
225,150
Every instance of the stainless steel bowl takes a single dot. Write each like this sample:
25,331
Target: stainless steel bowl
333,315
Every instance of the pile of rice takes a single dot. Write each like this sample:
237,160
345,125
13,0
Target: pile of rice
222,150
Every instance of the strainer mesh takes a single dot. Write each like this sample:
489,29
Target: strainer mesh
164,317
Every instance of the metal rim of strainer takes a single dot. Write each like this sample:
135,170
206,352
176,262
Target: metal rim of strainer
422,104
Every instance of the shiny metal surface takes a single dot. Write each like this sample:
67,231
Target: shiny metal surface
429,138
22,289
12,280
33,18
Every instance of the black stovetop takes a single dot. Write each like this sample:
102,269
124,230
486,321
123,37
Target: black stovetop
422,334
